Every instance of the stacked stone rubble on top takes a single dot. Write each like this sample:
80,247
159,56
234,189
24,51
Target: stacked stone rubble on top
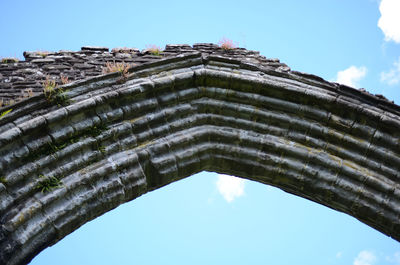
24,78
20,79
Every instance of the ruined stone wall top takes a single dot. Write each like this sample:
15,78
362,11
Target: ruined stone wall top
19,79
22,79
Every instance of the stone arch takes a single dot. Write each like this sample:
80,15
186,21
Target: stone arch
98,143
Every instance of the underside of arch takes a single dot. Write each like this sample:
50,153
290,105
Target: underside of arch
65,162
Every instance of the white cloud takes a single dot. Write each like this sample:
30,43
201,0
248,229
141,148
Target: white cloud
230,187
390,20
339,254
392,77
365,258
395,258
351,75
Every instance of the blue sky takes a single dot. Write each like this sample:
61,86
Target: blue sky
206,218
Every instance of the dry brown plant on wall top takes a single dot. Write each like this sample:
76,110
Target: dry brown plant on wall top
113,67
154,49
42,53
64,79
6,102
9,60
27,93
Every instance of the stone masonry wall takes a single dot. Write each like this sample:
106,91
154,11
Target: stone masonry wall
25,78
97,143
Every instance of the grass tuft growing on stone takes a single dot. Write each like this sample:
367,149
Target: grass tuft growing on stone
42,53
102,149
48,183
64,79
122,68
154,50
9,60
4,113
3,180
95,130
49,87
53,93
53,148
113,67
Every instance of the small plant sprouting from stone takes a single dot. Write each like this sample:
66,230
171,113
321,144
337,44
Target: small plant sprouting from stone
4,113
6,102
113,67
93,131
28,93
64,79
154,50
42,53
53,93
3,180
119,169
102,149
54,148
49,86
9,60
48,183
96,130
227,44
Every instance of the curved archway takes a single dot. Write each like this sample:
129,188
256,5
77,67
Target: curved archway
121,136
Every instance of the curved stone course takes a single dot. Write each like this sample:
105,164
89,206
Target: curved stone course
118,137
